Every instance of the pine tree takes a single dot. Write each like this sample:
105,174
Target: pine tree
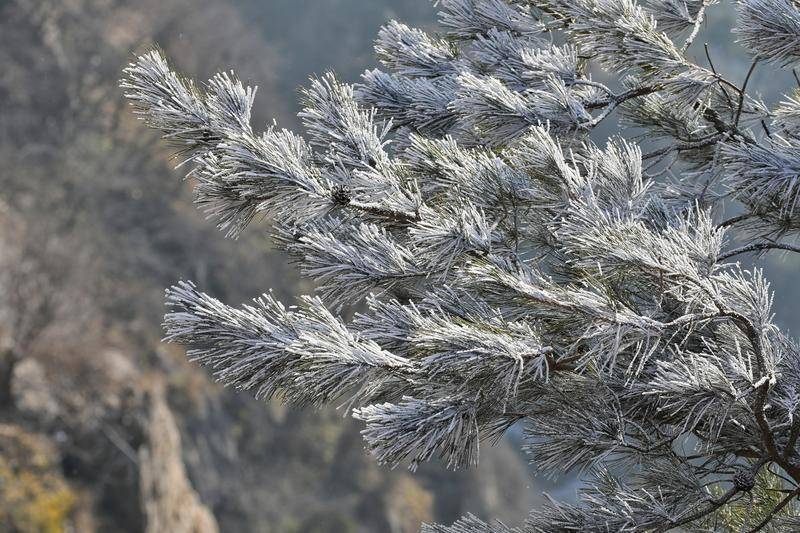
509,271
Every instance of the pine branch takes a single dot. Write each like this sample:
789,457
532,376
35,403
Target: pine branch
514,271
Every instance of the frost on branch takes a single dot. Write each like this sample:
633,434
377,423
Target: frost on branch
307,355
770,29
507,270
418,428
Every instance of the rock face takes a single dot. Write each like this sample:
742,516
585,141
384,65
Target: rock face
169,502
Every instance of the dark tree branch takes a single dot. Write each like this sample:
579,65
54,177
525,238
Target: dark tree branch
735,220
743,93
758,247
710,508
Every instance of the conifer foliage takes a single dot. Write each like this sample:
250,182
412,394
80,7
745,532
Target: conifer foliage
508,270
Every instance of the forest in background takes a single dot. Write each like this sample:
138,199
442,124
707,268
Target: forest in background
103,427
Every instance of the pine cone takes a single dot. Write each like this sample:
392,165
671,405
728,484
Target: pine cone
743,479
341,194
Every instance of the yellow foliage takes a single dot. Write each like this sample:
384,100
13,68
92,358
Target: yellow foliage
409,505
34,497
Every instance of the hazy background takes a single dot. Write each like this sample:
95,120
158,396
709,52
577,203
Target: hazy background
103,427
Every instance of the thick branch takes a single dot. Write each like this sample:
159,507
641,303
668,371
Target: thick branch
383,212
759,247
616,99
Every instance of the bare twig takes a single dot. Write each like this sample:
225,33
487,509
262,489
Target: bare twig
714,70
743,93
